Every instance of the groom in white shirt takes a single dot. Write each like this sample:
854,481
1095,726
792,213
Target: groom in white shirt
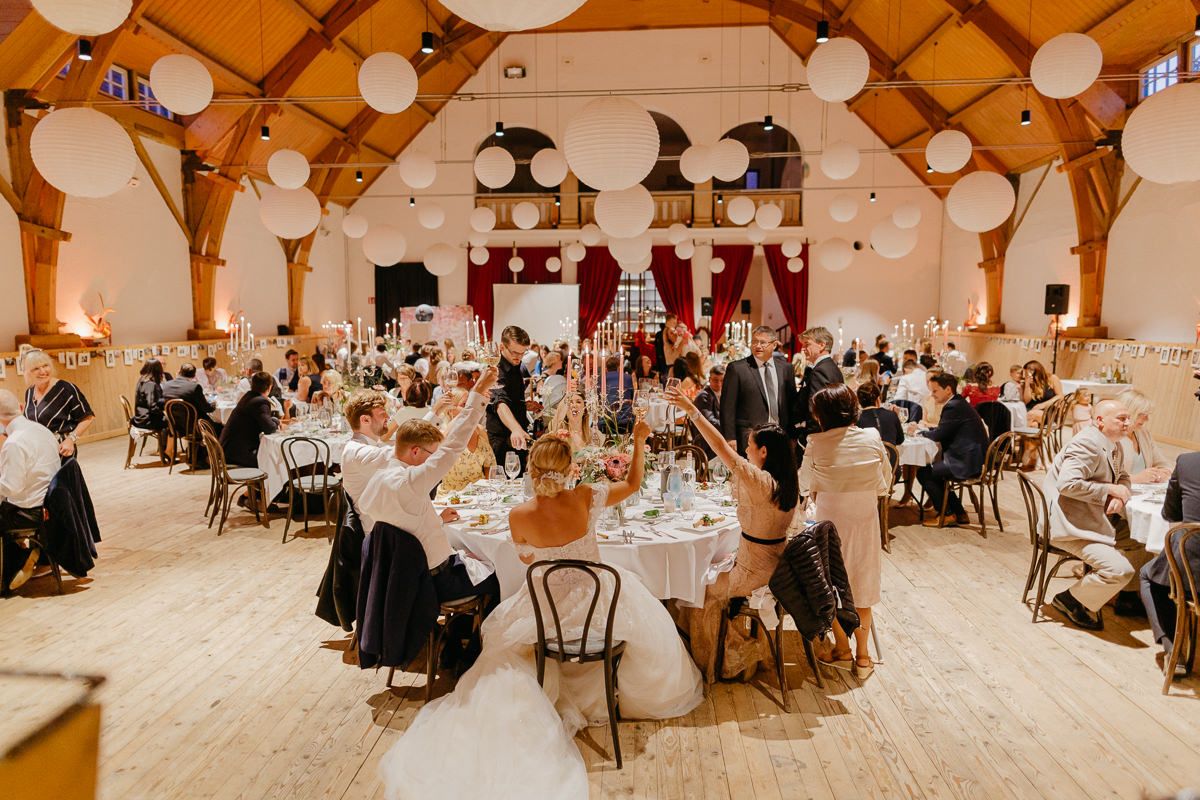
365,454
28,462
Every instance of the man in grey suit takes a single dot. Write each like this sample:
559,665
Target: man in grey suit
759,390
1087,487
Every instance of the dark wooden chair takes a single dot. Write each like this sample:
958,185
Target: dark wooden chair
181,433
229,482
885,502
699,459
739,607
1187,602
985,482
202,427
315,478
466,606
137,436
1037,513
36,534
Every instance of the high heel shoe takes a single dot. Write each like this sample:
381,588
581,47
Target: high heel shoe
861,672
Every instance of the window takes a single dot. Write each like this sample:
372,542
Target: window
1196,56
1161,75
148,100
116,83
638,303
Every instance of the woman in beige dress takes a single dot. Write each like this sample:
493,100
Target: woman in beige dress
765,488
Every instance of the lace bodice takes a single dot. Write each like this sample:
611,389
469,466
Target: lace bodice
585,548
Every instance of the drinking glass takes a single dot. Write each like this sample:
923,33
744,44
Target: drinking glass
512,465
718,472
902,413
641,404
496,473
489,354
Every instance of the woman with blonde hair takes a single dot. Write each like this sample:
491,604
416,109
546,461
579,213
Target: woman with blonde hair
332,389
572,422
472,463
306,369
1142,459
55,403
868,372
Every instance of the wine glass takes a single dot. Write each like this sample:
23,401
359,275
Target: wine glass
512,465
489,354
641,404
902,413
495,474
718,472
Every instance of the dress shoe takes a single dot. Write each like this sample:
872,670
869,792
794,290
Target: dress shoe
1129,604
26,572
1075,612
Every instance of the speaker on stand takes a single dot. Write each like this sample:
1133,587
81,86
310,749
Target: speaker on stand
1058,297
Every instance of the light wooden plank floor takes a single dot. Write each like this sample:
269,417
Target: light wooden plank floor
222,682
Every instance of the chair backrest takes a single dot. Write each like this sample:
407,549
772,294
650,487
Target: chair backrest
589,568
296,448
894,457
181,419
998,453
996,417
1183,578
1037,513
699,458
216,455
915,412
128,409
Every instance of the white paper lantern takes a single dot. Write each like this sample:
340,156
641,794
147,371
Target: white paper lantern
576,252
1161,141
834,254
792,247
677,232
907,216
354,226
891,241
441,259
685,249
624,213
639,266
696,163
795,264
430,215
632,249
288,169
717,265
838,69
768,216
553,264
739,210
516,264
181,84
1066,65
289,213
548,167
417,170
82,152
948,151
980,201
494,167
506,15
479,256
387,82
525,215
482,219
591,234
477,239
729,159
843,208
612,143
839,161
755,233
84,17
384,245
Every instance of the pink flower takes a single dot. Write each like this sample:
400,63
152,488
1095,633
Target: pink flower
616,467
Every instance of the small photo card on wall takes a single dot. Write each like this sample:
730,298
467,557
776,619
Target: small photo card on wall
195,351
85,359
127,357
1164,355
1074,347
1141,350
62,358
1195,361
3,370
182,351
1176,356
141,354
110,358
71,359
211,350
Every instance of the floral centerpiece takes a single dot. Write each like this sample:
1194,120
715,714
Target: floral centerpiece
610,462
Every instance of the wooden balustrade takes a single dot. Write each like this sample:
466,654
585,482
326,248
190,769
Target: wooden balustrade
503,205
788,202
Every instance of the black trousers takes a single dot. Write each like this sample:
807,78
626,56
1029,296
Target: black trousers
453,583
1160,608
933,480
501,448
12,518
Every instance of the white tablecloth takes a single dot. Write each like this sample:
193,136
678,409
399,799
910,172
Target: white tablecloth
270,455
658,416
224,409
1100,391
917,451
1146,523
1020,417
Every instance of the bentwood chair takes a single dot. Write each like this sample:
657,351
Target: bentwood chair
309,465
739,607
1187,602
885,501
699,459
202,427
36,534
137,436
583,645
181,433
985,482
1037,514
474,607
229,482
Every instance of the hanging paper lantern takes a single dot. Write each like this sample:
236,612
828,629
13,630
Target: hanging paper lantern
477,239
696,163
548,167
839,161
768,216
677,232
354,226
591,234
792,247
716,266
631,249
834,254
948,151
84,17
838,69
441,259
843,208
494,167
525,215
505,15
387,82
553,264
612,143
82,152
430,215
181,84
907,216
639,266
891,241
576,252
288,169
1066,65
624,213
417,170
755,233
795,264
479,256
1161,141
289,213
685,249
384,245
739,210
516,264
729,159
482,219
980,201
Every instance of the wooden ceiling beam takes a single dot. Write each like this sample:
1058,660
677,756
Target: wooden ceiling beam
927,41
849,11
958,116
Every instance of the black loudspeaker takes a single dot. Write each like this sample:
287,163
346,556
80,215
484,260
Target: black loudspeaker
282,330
745,306
706,308
1058,296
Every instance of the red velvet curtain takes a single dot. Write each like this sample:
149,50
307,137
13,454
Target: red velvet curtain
727,286
480,279
535,265
792,288
673,277
599,276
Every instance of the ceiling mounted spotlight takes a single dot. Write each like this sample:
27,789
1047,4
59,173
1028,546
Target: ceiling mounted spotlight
427,42
928,170
720,200
823,31
84,50
1026,117
873,198
557,201
499,128
264,133
768,123
358,176
412,202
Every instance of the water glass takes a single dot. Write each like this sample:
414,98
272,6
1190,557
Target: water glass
512,465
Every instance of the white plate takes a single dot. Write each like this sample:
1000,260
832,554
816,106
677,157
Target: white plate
494,522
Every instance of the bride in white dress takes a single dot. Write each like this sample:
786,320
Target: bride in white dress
501,735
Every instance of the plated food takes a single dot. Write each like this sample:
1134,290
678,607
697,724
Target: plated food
708,520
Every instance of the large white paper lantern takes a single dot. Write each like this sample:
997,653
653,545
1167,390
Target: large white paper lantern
795,264
639,266
980,201
729,159
441,259
507,15
387,82
840,161
685,249
612,143
891,241
548,167
417,170
84,17
479,256
288,169
1161,141
590,234
768,216
838,69
907,216
82,152
631,249
516,264
948,151
430,215
843,208
677,232
625,213
553,264
716,266
1066,65
739,210
525,215
834,254
755,233
354,226
181,84
384,245
792,247
289,213
494,167
482,219
477,239
696,163
576,252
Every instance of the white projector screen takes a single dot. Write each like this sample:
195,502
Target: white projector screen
538,309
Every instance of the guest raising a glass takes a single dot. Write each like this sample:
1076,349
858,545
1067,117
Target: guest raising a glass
57,404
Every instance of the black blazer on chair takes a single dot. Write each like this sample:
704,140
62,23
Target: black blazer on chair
337,596
744,400
397,602
963,438
1182,504
190,392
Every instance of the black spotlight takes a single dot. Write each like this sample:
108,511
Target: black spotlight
84,50
264,133
1026,117
412,202
557,201
768,123
873,198
720,200
823,31
358,176
427,41
928,170
499,128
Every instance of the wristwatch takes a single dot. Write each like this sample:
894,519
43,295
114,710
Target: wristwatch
74,437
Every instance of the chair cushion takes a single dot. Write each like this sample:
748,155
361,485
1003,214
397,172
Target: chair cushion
459,604
571,647
246,474
1027,431
314,483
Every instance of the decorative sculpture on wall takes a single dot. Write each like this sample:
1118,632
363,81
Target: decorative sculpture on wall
101,328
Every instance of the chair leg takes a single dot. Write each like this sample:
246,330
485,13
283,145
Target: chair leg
722,631
994,491
1177,644
945,500
391,672
287,518
1043,580
885,540
610,695
435,640
875,641
225,509
777,647
977,502
1033,561
811,656
129,454
263,504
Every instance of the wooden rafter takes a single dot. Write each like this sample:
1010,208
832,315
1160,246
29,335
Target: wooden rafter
159,184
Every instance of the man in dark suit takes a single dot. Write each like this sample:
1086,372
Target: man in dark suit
660,352
822,371
759,390
964,442
708,403
251,417
886,364
289,375
1182,504
188,389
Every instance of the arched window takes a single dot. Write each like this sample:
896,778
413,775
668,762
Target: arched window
523,143
780,172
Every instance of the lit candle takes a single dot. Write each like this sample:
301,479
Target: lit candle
621,378
359,337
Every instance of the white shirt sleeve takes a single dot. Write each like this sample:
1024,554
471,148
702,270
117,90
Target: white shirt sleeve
428,475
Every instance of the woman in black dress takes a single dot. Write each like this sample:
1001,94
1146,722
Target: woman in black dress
148,397
57,404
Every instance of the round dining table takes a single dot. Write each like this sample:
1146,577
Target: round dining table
917,451
1144,512
270,451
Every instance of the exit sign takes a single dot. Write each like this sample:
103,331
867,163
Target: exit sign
371,300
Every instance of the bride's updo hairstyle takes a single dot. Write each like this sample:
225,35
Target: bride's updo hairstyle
549,463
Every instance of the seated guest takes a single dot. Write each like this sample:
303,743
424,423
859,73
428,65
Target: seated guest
931,408
873,415
405,375
912,386
415,355
332,391
29,459
250,419
188,389
318,360
708,403
148,397
253,367
886,364
289,374
57,404
366,453
304,387
553,385
1143,460
1182,504
419,394
645,376
954,361
571,421
211,377
620,403
980,389
868,372
850,357
1087,487
474,462
1010,391
964,442
1038,389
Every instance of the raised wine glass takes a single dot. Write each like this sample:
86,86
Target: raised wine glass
489,354
641,404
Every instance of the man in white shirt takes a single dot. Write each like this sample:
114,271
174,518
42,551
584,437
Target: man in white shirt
954,360
211,377
365,454
28,462
912,385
